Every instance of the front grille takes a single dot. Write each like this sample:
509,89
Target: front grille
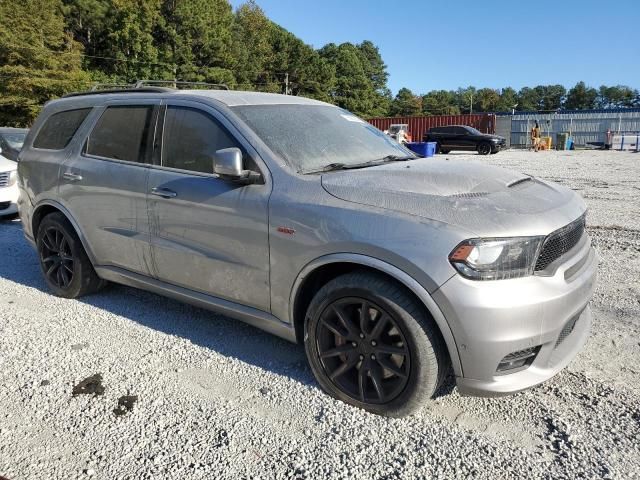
567,330
4,179
4,205
560,242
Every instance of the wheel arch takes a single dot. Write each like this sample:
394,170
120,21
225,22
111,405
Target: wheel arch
323,269
47,207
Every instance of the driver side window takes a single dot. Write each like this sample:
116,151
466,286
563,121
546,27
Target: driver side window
191,138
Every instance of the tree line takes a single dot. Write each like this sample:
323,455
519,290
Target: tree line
540,98
52,47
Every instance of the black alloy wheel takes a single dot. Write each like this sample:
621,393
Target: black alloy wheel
363,350
372,344
57,258
484,149
63,260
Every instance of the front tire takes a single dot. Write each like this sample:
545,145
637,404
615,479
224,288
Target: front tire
64,263
372,345
484,148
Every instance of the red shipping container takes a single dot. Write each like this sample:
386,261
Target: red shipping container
485,122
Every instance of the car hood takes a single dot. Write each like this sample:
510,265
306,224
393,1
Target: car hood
485,200
7,165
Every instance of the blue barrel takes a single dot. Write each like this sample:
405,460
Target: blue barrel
424,149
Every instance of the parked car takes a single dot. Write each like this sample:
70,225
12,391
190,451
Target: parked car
399,132
11,140
300,218
8,187
462,137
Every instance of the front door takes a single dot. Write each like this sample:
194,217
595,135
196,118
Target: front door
104,185
208,234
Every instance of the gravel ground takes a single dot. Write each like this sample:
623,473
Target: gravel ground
184,393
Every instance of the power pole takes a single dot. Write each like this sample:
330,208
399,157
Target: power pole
471,106
286,83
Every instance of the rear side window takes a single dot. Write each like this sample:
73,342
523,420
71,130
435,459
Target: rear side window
59,129
191,138
121,133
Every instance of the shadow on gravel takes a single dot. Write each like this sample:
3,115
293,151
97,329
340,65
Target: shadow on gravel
201,327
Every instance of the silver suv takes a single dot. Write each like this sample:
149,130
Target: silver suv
299,218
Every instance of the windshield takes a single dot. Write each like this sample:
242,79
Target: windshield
312,137
473,131
15,140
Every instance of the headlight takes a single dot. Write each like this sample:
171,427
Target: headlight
13,178
496,258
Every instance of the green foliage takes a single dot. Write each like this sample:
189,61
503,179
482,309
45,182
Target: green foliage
38,60
51,47
358,85
406,104
581,97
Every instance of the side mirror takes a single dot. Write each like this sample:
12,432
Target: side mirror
228,163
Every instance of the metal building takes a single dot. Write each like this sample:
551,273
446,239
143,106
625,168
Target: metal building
585,126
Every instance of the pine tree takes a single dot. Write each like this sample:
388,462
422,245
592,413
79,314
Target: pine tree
38,60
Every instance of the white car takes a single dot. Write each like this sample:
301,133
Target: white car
8,187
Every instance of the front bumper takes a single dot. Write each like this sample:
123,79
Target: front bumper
492,319
9,200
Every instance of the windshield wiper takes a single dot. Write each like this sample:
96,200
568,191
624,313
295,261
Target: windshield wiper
398,158
346,166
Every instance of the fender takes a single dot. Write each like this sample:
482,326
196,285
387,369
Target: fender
398,275
74,224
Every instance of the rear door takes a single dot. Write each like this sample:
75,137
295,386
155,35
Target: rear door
209,235
104,185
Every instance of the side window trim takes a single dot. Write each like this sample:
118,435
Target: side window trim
147,139
207,109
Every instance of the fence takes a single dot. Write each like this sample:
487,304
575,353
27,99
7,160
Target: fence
485,122
585,127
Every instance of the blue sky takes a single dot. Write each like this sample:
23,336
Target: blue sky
449,44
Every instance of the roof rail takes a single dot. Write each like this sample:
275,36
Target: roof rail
175,84
143,86
119,90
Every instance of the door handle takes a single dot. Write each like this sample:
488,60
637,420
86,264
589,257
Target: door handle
72,177
163,192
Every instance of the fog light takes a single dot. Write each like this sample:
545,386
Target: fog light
517,360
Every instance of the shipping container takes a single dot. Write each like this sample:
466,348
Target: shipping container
485,122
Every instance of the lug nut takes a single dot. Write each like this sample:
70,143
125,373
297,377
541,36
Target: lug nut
373,343
361,357
373,357
354,344
362,335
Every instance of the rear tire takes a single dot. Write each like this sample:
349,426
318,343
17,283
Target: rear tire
372,345
63,260
445,151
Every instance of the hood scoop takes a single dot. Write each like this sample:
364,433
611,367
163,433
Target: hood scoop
519,182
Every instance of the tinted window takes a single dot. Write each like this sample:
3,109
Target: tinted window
460,130
191,138
121,133
59,129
